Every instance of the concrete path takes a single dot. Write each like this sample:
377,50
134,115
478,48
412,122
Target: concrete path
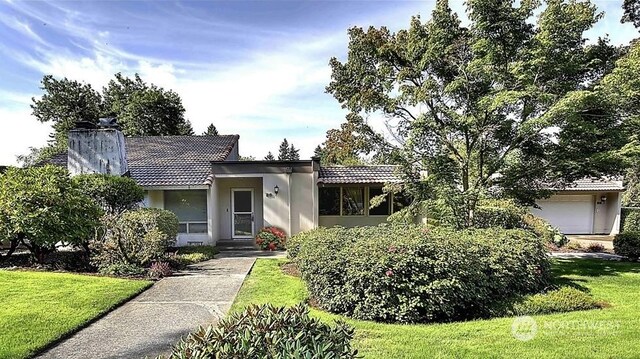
149,324
586,240
572,255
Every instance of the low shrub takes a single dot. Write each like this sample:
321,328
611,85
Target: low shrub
271,238
632,222
407,273
268,332
123,270
160,270
135,237
627,244
184,256
564,299
544,230
575,246
595,248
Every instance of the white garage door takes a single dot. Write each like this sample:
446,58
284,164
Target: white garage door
572,214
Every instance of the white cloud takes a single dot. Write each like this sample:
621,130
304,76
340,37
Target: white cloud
19,132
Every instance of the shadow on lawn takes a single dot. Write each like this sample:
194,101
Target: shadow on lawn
592,268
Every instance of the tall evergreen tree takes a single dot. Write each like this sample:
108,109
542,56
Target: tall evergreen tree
294,153
283,151
211,131
269,157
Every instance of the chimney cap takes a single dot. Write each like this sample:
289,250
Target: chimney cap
82,124
108,122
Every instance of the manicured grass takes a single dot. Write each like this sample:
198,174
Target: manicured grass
39,307
613,332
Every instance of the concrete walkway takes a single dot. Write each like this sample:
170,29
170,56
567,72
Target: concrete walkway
149,324
579,255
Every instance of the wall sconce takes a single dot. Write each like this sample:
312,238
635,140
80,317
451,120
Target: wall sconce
603,199
276,189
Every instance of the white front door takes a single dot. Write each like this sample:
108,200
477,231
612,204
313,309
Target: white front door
242,217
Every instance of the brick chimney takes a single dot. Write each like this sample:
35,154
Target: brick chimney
97,149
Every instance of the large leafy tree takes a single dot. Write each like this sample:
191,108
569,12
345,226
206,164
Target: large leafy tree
42,208
142,109
503,106
351,143
622,88
631,12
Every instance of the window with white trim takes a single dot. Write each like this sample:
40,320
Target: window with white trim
190,206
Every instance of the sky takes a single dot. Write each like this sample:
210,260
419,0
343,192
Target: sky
253,68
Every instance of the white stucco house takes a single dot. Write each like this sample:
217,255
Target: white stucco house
217,197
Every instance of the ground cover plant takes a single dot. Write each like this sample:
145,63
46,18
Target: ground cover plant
611,332
40,307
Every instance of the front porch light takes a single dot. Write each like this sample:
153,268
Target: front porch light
276,189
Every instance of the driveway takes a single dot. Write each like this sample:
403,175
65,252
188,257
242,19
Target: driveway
153,321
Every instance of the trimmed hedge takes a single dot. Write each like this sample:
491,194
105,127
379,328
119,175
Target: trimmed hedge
627,244
269,332
632,222
401,273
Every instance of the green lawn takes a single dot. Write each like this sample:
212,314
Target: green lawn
37,308
613,332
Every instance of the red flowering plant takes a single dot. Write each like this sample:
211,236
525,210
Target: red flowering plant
271,238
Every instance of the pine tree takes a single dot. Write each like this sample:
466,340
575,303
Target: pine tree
283,151
211,131
269,157
294,153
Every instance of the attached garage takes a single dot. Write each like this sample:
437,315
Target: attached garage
572,214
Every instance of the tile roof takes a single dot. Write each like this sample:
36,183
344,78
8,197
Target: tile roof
601,184
358,174
171,160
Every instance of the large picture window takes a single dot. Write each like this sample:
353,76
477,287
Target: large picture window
191,209
329,201
384,208
353,201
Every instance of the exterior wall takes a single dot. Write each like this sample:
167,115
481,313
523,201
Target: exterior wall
97,151
303,204
222,218
351,221
277,207
234,155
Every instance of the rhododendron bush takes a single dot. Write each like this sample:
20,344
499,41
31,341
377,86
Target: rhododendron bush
271,238
408,273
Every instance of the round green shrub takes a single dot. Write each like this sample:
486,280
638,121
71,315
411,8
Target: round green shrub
404,273
135,237
115,194
632,222
268,332
627,244
544,230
